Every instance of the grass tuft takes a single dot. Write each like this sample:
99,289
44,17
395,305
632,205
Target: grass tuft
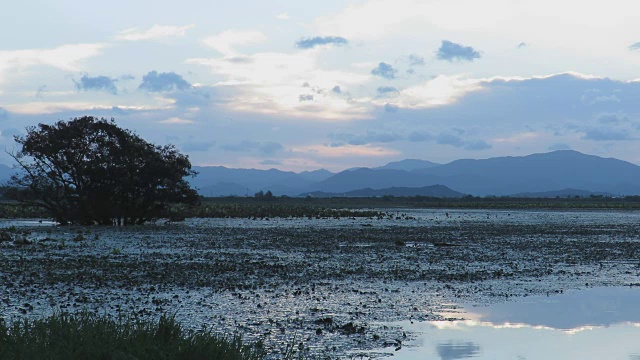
88,336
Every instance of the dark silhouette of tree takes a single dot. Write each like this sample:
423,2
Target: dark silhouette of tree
262,195
90,171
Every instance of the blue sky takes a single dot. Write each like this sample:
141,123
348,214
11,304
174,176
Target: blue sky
334,84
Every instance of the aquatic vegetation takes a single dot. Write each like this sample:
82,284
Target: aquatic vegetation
88,336
277,278
266,209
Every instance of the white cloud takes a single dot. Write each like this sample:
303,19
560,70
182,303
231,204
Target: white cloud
283,16
52,107
176,121
378,18
344,151
271,83
154,33
519,138
572,30
226,41
65,57
442,90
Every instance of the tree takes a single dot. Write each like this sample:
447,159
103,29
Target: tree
90,171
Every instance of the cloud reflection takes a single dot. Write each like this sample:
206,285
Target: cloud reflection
457,350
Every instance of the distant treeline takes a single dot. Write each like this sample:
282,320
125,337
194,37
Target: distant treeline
309,207
471,202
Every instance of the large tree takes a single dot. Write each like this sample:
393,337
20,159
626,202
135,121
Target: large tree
90,171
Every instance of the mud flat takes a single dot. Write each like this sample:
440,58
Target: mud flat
331,287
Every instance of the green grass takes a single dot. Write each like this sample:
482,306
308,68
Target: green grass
88,336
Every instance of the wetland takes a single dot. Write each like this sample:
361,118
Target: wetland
334,286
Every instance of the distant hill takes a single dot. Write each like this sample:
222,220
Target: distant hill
316,175
408,165
223,181
375,179
439,191
538,173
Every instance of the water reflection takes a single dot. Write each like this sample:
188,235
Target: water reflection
454,350
599,323
590,307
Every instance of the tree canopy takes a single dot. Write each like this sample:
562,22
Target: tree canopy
90,171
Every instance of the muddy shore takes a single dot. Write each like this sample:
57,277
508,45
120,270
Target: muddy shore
325,285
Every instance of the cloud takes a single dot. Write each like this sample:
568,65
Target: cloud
239,59
336,89
271,162
634,46
519,138
451,51
268,147
439,91
594,96
611,118
477,145
369,137
311,42
384,70
449,139
119,111
40,92
419,136
193,146
386,90
559,146
283,16
606,134
156,32
194,97
176,121
522,45
456,141
305,97
270,84
226,41
390,108
98,83
416,60
4,114
322,151
162,82
65,57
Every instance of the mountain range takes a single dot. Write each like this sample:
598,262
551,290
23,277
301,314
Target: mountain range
545,173
439,191
556,173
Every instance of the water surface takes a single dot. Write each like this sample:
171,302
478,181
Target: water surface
596,323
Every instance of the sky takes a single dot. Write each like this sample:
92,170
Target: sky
299,85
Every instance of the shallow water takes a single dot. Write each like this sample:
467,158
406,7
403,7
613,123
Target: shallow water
279,280
596,323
